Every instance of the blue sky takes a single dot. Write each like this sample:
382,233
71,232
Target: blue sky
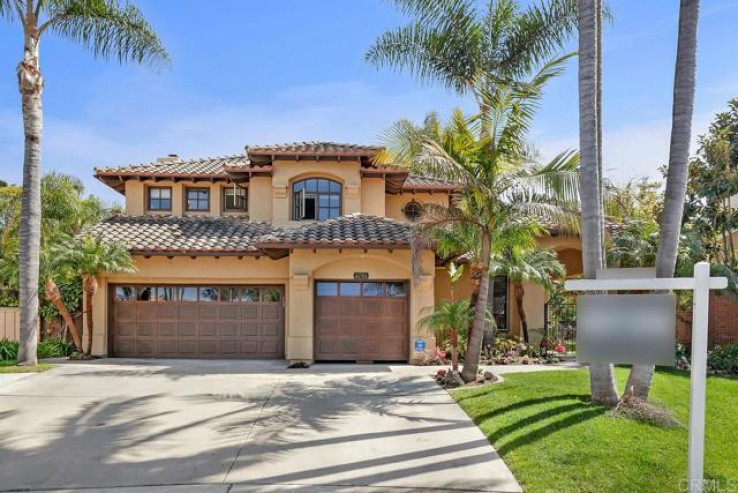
251,72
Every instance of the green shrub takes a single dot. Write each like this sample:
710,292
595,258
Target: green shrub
54,348
50,348
723,358
8,350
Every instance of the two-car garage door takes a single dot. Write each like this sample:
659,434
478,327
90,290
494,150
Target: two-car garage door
163,321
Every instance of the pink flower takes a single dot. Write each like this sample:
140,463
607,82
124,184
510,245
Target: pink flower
560,348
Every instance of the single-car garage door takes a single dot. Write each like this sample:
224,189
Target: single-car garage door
361,321
197,321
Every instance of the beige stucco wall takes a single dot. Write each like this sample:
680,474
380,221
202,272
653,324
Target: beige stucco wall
372,196
298,273
395,203
136,198
284,173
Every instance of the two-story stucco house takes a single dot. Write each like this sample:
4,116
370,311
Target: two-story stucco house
299,251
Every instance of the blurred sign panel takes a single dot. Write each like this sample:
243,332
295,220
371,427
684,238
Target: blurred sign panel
638,328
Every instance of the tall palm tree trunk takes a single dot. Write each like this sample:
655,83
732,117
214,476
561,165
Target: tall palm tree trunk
519,296
474,344
603,387
30,84
639,381
90,288
54,295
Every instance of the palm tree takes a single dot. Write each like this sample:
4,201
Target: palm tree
450,321
603,387
639,380
504,187
89,257
109,29
527,266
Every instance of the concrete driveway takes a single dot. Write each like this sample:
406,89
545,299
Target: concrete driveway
239,426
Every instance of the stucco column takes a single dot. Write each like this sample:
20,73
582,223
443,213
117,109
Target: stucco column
299,331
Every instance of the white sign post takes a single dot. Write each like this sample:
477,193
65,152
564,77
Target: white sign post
701,284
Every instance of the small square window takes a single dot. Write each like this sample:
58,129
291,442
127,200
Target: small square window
147,293
235,199
396,289
159,198
271,295
125,293
188,293
164,293
327,289
209,294
350,289
373,289
250,295
198,199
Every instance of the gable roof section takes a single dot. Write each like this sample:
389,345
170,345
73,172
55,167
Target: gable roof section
156,235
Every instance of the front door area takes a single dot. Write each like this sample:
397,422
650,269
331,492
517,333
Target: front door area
361,321
197,321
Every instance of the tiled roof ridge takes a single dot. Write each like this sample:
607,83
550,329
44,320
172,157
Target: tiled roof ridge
170,164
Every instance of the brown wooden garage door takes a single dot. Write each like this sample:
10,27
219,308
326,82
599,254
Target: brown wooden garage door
361,321
197,321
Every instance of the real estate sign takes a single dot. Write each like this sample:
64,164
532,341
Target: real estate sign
626,328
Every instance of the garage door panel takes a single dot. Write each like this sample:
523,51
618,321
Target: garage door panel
208,312
246,327
229,329
189,311
271,312
369,327
167,311
167,329
187,329
125,312
145,329
230,312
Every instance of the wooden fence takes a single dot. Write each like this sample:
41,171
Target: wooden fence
9,323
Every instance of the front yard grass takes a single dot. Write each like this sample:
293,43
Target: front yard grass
553,440
10,367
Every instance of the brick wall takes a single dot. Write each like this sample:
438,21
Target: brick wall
722,323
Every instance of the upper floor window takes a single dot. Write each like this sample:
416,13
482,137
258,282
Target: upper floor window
159,198
413,211
316,198
235,199
197,199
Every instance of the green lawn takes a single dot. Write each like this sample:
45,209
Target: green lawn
553,440
9,367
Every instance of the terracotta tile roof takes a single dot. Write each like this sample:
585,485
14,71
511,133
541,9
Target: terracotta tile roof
322,148
414,182
211,166
182,235
201,235
355,230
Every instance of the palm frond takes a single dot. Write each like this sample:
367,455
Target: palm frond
108,28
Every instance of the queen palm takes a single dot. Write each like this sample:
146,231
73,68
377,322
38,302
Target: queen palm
449,322
468,47
504,188
527,266
639,381
109,29
89,257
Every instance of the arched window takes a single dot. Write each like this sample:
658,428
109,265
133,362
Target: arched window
413,211
316,198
